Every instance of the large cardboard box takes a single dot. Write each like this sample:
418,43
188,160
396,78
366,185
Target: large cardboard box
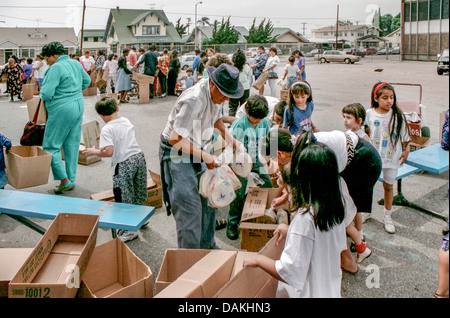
154,197
175,263
32,105
56,266
253,282
90,131
114,271
11,259
205,278
90,91
419,143
256,228
27,166
143,82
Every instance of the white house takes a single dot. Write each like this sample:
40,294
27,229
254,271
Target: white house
356,36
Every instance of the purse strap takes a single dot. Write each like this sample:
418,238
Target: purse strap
36,113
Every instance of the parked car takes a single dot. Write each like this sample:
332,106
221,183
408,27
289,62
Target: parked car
251,52
443,62
396,50
314,52
186,61
337,56
384,51
370,51
356,52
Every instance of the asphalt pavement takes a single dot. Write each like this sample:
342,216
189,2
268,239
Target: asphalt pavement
402,265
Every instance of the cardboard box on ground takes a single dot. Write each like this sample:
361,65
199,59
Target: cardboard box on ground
114,271
154,194
56,265
27,166
215,273
258,220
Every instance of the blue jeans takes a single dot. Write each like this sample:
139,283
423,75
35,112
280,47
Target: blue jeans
194,218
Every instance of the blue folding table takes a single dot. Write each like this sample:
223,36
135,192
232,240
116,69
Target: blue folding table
432,159
19,205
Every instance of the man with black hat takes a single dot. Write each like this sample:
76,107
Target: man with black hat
184,153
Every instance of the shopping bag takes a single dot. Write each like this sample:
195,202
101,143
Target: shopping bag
33,134
259,83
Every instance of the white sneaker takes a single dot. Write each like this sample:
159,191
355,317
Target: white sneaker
388,224
126,236
360,257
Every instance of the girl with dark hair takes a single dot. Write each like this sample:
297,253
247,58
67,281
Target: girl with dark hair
390,134
297,116
309,266
240,62
123,78
61,91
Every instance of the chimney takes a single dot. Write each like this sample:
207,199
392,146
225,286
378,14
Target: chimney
117,8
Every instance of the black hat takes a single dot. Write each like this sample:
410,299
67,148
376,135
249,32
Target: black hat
226,79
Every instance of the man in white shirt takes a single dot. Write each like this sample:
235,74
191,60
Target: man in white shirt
184,154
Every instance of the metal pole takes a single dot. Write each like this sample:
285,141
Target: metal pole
337,26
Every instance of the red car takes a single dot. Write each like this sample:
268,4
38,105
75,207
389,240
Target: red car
371,51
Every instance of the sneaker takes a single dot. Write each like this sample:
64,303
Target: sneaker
362,256
232,232
163,95
126,236
388,224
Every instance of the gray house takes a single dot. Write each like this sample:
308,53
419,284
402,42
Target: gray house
28,42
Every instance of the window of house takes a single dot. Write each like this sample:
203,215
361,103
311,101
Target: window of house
85,38
423,10
151,30
95,38
325,33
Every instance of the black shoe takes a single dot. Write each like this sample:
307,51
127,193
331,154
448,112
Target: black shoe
233,232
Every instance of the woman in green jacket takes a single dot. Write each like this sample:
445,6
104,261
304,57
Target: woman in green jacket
62,93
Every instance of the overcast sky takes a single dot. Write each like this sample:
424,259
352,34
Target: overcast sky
293,14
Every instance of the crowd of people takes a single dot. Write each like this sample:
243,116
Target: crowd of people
325,179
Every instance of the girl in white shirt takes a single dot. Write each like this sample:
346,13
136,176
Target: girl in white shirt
111,64
310,265
272,68
390,135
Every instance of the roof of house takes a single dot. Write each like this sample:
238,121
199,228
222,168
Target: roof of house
125,18
341,28
243,32
32,37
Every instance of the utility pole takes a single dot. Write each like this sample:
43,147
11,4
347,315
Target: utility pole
82,28
337,27
304,28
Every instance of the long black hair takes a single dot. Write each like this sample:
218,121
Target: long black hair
314,179
398,118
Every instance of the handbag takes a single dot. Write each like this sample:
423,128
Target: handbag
33,134
272,74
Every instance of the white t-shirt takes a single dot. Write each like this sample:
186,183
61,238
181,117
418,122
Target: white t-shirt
379,134
42,69
271,61
271,102
292,70
311,260
119,133
88,62
112,66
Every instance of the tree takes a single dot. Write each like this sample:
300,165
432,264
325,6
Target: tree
204,21
223,33
345,22
396,22
181,28
262,33
386,24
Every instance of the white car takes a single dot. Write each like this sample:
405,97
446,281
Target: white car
186,61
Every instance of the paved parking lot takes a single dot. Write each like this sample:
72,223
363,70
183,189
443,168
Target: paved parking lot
402,265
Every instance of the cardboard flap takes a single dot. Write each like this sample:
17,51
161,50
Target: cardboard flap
255,204
90,132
